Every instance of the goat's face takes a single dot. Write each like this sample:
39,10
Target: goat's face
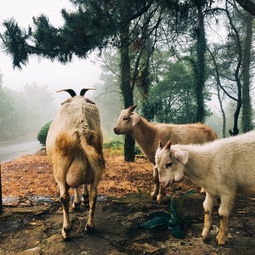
170,163
126,121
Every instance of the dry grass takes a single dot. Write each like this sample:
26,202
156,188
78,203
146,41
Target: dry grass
32,175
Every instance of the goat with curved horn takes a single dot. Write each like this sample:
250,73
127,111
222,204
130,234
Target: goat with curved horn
83,91
70,91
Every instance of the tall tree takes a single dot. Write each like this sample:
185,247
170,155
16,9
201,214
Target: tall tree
125,85
201,65
246,76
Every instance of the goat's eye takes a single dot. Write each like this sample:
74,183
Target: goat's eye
169,164
125,118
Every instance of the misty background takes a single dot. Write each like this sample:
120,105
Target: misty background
28,98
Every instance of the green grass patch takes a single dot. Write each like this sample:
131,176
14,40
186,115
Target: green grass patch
117,147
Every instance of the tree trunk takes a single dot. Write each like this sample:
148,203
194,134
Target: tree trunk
200,75
222,112
247,111
1,203
126,88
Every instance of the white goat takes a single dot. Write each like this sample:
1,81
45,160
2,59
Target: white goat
223,168
74,147
148,135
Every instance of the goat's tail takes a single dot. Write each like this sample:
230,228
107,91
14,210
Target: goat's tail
96,161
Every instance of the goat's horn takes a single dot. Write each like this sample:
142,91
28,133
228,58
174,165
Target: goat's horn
168,145
83,91
70,91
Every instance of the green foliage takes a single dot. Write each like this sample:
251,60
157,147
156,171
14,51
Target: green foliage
42,135
173,98
174,221
116,146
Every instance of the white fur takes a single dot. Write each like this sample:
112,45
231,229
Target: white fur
74,147
222,167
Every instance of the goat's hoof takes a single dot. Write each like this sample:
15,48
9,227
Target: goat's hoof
65,233
154,195
86,199
89,228
76,206
160,198
221,239
205,238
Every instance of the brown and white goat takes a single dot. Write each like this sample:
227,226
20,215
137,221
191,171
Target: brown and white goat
74,147
223,168
148,135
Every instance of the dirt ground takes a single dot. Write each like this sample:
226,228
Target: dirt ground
28,227
32,175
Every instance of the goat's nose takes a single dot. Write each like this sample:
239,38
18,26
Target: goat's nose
116,130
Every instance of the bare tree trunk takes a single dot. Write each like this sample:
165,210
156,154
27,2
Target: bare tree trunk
248,5
219,86
200,75
126,88
247,111
222,112
235,130
1,202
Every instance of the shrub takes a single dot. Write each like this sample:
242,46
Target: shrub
114,144
117,146
42,135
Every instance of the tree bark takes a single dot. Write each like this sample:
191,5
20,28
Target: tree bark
218,87
247,111
248,5
200,75
1,202
126,88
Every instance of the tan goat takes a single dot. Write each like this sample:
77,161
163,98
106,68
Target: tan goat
74,147
223,168
148,135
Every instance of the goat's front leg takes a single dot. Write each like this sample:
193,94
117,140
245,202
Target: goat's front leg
155,192
161,194
92,205
208,207
226,203
65,200
76,200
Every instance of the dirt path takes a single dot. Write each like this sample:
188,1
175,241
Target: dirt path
27,230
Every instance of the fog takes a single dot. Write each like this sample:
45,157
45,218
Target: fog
28,95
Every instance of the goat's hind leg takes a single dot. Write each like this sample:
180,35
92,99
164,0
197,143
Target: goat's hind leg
65,200
76,202
85,194
92,205
226,203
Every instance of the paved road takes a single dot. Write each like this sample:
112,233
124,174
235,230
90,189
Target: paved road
12,150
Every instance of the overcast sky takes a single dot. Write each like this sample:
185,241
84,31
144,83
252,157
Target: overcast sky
77,74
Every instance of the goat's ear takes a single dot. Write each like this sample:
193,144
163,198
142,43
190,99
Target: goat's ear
181,155
160,145
168,145
135,118
70,91
132,107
